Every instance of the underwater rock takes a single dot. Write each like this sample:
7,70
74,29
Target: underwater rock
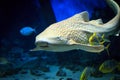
23,71
61,73
73,68
96,74
9,72
61,79
36,72
115,78
26,61
44,69
2,74
69,79
22,60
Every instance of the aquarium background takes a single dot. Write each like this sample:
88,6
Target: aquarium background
39,14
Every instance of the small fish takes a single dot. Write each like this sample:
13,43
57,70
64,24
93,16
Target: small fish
26,31
99,39
3,61
86,73
108,66
76,31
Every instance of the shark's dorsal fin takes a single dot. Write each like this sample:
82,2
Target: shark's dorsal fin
97,22
83,16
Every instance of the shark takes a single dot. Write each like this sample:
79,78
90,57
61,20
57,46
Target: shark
79,33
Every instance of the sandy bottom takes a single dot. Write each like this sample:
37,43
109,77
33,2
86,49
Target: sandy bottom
52,75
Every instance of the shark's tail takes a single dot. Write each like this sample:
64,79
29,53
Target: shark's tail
114,23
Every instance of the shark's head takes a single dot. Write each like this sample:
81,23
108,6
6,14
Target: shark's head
51,44
51,41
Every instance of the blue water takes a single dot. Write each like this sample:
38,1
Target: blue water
64,9
39,14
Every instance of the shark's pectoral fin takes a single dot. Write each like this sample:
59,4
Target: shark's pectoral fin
87,47
72,42
92,48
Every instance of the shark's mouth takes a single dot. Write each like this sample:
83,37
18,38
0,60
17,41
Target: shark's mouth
43,44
